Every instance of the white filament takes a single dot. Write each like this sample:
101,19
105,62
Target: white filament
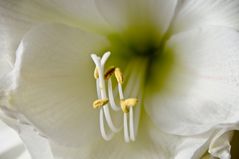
120,91
126,131
108,119
105,136
131,124
98,89
111,96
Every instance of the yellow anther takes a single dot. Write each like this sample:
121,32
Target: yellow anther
100,103
124,107
130,102
119,75
125,104
96,73
109,72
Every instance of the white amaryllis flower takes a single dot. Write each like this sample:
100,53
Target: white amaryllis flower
179,60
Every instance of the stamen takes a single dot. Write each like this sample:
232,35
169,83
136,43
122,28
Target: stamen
111,96
127,105
124,106
105,136
100,103
131,124
98,88
126,130
130,102
109,120
119,76
120,91
109,72
96,73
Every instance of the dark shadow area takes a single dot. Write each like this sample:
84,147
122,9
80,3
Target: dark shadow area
235,145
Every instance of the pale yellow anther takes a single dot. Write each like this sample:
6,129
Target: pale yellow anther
96,73
130,102
119,75
126,103
109,72
100,103
124,107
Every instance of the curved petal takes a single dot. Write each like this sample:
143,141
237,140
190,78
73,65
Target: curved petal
123,13
84,13
11,145
150,143
202,92
54,83
180,147
17,17
220,146
36,145
5,68
200,13
116,148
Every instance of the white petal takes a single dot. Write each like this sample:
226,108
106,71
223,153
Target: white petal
5,68
202,90
181,147
142,148
220,146
37,145
11,145
124,13
84,13
17,17
200,13
150,143
55,84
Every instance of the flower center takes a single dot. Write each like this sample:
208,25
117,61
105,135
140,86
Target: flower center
106,100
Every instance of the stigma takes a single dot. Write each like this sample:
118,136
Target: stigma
106,100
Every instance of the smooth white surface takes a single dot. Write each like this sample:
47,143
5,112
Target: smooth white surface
11,146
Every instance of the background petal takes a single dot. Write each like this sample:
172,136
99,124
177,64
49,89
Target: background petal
150,143
30,142
37,145
122,14
199,13
83,13
55,85
220,146
202,91
18,17
11,145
